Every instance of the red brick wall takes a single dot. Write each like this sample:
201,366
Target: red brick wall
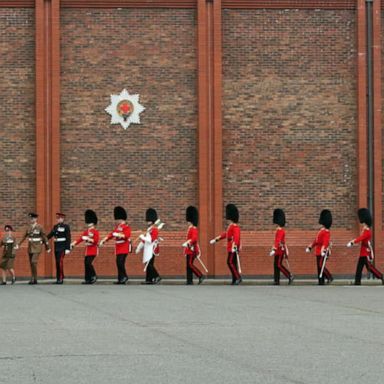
151,52
289,110
17,114
382,91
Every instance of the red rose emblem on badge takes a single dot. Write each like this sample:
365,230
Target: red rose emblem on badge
125,109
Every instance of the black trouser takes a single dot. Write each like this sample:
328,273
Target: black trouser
363,261
278,266
233,267
326,274
192,269
59,257
90,272
151,270
120,262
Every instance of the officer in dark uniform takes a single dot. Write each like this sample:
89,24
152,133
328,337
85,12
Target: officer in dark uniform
61,234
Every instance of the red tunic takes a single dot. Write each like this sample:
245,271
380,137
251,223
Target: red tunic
91,238
322,241
122,244
193,246
154,232
233,237
364,238
279,244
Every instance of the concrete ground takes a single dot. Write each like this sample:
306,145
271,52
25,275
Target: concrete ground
191,334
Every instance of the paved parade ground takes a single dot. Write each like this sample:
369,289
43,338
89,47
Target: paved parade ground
191,334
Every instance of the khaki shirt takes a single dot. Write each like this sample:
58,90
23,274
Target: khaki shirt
8,243
36,238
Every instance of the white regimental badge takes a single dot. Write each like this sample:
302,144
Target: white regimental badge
125,109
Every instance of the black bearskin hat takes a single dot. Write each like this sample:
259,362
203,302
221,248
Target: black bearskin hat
192,215
279,217
326,218
232,213
33,215
365,216
120,213
151,215
8,227
90,217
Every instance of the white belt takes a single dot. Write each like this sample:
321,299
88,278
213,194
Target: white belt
61,239
32,239
120,241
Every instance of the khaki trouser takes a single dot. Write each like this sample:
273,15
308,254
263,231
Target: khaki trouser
33,260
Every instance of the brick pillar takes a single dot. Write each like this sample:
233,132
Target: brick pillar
377,136
47,117
210,126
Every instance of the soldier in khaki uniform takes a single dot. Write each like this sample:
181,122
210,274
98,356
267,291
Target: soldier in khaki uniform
8,242
36,238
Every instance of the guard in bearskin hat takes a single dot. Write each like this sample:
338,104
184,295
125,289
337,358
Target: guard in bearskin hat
191,246
61,234
232,234
322,244
122,236
366,252
280,250
149,244
91,239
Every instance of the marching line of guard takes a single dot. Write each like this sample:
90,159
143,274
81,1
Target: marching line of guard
148,244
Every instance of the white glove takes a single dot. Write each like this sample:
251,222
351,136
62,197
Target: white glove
84,238
48,250
67,251
101,243
308,249
272,253
323,253
185,245
213,241
350,244
16,246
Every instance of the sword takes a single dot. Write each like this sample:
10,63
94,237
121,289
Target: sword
286,253
202,264
372,256
238,260
287,262
325,260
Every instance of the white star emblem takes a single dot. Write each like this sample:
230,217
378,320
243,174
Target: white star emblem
125,109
